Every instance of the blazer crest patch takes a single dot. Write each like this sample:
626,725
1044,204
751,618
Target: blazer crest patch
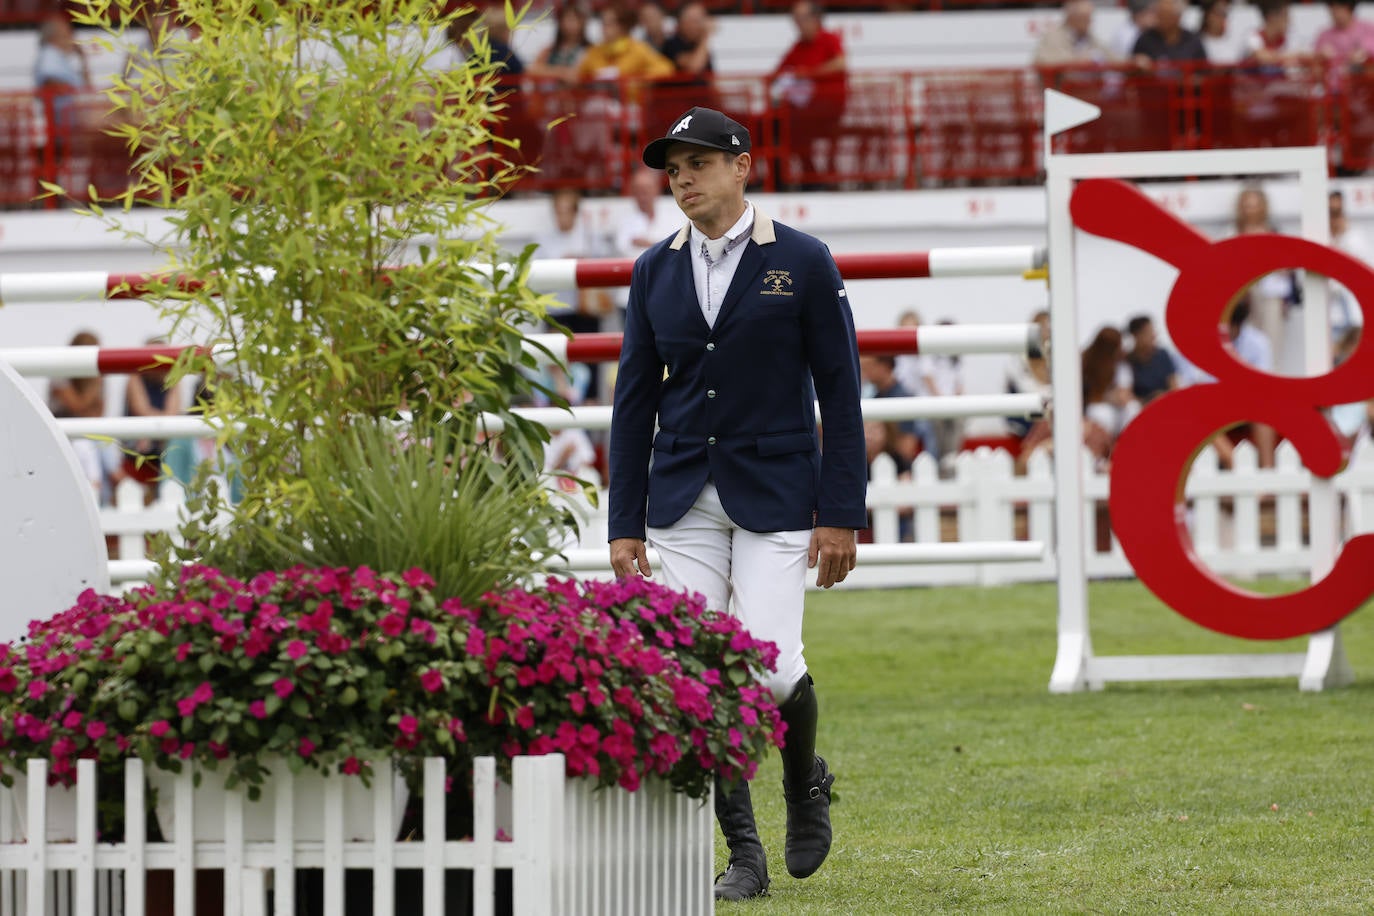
777,283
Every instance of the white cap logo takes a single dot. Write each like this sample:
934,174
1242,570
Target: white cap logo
682,125
734,141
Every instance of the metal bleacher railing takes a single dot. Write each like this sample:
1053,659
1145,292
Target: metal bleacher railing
899,129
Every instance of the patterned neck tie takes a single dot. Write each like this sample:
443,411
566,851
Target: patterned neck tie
723,247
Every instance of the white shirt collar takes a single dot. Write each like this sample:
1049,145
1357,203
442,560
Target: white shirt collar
741,226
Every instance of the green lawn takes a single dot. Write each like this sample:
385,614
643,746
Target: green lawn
963,785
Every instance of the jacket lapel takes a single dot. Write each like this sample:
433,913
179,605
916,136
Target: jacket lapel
685,285
746,278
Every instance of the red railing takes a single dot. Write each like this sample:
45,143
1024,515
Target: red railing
897,129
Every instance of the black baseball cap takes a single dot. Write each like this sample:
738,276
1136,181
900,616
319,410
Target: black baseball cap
700,127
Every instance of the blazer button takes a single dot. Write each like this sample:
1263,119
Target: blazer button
711,440
711,392
710,346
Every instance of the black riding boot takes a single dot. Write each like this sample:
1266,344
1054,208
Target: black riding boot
747,874
806,784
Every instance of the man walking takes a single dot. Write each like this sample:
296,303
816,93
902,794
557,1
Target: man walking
751,322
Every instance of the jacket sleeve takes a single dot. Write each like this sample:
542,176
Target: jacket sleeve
638,384
833,354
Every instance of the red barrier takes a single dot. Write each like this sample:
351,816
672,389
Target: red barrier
912,128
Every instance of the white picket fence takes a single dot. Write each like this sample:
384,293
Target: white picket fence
572,850
1233,531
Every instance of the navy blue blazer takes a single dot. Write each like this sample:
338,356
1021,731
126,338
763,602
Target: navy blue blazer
737,402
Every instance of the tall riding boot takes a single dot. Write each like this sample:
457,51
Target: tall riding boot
806,783
747,874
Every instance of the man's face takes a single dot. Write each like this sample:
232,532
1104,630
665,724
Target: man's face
1079,17
1168,14
873,371
707,184
1336,210
1145,337
644,188
807,22
691,23
565,211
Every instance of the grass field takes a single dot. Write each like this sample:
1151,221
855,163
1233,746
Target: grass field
963,785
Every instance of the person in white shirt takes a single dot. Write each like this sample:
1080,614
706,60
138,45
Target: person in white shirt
1224,45
1142,17
651,221
1345,311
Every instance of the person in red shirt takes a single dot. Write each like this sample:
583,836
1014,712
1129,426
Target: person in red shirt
808,89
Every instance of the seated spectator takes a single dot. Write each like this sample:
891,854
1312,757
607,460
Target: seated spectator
1153,371
560,60
689,46
1071,41
652,26
1168,41
578,310
945,378
903,436
941,376
653,218
85,397
1352,421
691,84
1141,17
878,440
1347,45
60,72
621,57
148,395
1108,404
61,63
1345,311
1030,374
498,37
1272,295
808,88
1269,47
1224,45
1252,348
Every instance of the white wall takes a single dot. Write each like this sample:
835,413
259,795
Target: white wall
1115,283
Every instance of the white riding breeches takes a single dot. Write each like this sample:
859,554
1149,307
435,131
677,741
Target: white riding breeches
760,577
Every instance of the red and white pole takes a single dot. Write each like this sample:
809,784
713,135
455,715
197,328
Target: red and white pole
563,273
939,340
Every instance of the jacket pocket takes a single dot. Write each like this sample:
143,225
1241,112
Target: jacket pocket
665,442
785,444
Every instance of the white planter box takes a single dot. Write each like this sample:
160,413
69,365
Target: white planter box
306,805
572,850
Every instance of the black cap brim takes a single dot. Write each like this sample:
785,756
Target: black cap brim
656,153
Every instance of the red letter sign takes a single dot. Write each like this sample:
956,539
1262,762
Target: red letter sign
1151,460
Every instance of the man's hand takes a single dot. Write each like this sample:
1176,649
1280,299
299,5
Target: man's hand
833,553
629,555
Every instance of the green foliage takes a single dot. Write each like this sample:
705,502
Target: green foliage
384,496
328,180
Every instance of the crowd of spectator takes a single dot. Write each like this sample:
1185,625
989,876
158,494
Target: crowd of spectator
1155,36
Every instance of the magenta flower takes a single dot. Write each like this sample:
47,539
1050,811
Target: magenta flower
283,687
408,725
258,709
95,730
159,728
307,747
432,680
295,649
